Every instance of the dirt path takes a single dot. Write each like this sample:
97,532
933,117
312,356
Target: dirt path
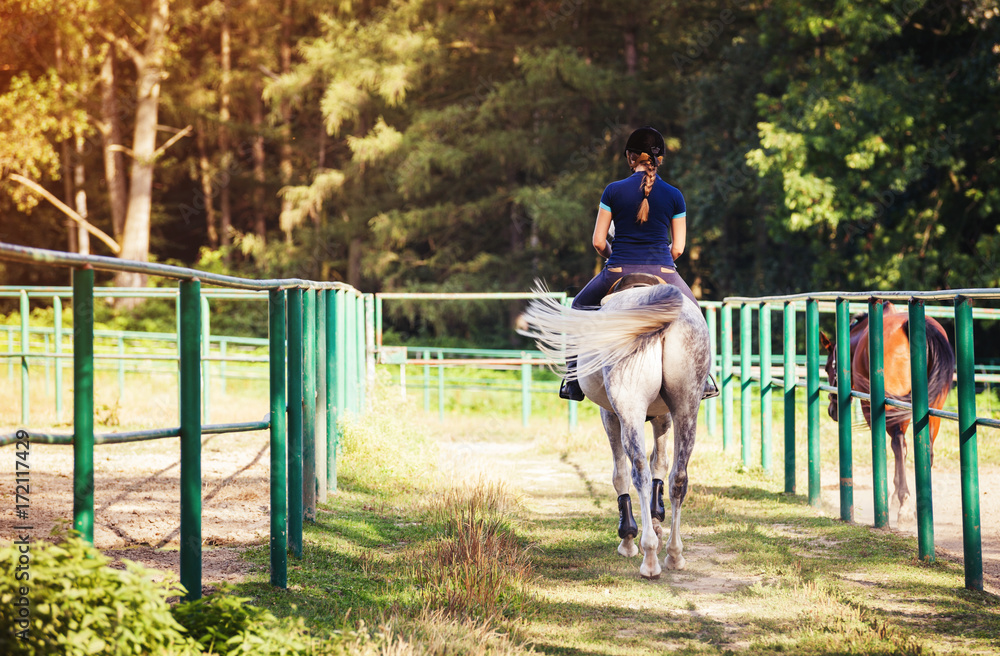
137,499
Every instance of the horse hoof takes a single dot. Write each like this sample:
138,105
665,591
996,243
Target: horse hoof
670,562
650,573
628,550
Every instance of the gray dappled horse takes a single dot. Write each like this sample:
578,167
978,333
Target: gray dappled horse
644,355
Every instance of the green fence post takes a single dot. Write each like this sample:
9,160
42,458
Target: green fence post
968,450
571,406
177,319
876,377
427,382
206,340
788,352
525,389
48,364
57,307
332,385
321,397
11,351
190,347
121,367
223,353
812,398
921,431
25,349
711,405
764,333
351,351
309,405
295,421
746,357
279,457
727,377
343,385
83,403
378,322
440,356
844,407
366,321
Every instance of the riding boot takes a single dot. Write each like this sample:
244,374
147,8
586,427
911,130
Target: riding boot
711,388
570,388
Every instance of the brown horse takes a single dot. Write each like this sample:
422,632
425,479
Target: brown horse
896,361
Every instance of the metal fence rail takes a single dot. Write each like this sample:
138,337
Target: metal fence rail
295,305
962,313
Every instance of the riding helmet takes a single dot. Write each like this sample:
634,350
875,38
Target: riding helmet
646,140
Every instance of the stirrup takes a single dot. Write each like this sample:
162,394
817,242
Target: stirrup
711,388
570,390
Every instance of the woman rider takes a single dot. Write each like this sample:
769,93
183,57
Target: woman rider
641,213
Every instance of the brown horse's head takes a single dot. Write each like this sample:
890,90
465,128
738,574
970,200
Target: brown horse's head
859,325
831,371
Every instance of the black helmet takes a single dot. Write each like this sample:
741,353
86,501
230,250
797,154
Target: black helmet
646,140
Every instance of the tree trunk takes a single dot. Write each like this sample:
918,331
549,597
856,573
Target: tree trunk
114,159
67,176
354,262
225,211
79,178
135,239
631,56
286,111
65,157
205,173
259,173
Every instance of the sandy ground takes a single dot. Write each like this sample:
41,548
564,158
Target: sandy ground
946,509
137,498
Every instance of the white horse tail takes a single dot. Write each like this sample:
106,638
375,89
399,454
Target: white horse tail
601,338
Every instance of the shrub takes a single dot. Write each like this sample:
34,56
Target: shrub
226,624
75,604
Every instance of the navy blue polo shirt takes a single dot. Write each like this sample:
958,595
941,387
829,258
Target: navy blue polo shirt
647,243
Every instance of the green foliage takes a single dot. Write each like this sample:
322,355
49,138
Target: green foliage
228,625
78,605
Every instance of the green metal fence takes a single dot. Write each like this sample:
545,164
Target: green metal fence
962,313
293,443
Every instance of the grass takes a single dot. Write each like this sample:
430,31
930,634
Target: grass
508,561
479,536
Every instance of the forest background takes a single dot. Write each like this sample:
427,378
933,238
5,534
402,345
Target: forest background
413,145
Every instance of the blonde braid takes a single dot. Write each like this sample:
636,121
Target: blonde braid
647,185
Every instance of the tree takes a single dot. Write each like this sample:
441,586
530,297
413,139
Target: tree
872,135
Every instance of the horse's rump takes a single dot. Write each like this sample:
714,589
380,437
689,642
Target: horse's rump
940,368
604,337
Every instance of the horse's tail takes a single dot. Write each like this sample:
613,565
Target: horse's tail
940,362
597,339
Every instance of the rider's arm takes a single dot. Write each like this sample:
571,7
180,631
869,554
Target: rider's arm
678,228
600,241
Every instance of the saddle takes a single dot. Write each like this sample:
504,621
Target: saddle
631,280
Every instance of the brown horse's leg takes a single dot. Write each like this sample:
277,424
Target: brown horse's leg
898,435
935,422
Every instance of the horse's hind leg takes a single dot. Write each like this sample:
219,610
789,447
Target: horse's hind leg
627,529
685,426
902,491
658,466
